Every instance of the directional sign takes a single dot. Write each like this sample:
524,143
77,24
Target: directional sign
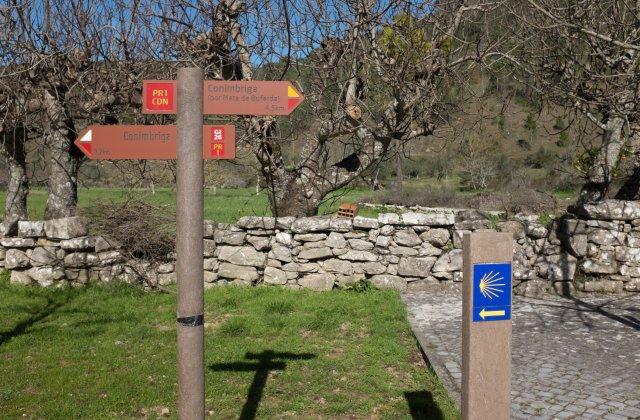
241,97
491,292
151,142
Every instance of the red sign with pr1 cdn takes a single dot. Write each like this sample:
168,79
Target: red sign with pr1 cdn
159,97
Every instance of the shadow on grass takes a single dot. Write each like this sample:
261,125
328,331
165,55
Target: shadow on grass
422,405
262,364
53,304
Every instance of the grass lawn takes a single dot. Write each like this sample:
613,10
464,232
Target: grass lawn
225,205
108,351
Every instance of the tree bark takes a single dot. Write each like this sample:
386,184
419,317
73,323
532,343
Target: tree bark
399,169
65,162
18,184
600,173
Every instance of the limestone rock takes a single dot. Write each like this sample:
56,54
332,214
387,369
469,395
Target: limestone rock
229,237
514,227
66,228
284,223
315,253
428,219
274,276
360,244
284,238
9,227
458,236
598,266
210,264
353,255
536,230
103,243
46,275
281,253
406,237
260,243
383,241
166,268
14,258
257,222
335,265
428,250
84,243
340,224
30,229
387,281
607,237
17,242
243,255
608,286
239,272
311,224
389,218
319,282
336,240
628,255
165,279
373,268
110,257
451,261
438,237
360,222
415,266
310,237
20,277
42,256
209,228
610,210
403,250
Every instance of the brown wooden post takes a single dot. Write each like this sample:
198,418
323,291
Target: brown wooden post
189,245
486,326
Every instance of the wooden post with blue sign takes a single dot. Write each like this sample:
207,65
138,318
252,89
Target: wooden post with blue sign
486,325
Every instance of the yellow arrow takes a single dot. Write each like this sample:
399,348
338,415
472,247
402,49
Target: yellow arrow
484,313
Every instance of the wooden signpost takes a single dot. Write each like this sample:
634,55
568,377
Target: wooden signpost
151,142
486,326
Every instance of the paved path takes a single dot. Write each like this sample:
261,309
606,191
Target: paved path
572,358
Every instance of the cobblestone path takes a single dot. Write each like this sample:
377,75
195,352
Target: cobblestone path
572,357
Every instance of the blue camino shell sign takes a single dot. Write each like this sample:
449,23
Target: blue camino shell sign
491,292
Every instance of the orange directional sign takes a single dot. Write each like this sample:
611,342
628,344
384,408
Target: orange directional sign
236,97
151,142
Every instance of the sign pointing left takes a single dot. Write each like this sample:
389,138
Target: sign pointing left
151,142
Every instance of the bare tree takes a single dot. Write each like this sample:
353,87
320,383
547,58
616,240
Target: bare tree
583,55
373,72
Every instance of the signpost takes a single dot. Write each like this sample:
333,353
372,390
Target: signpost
486,326
190,97
151,142
222,97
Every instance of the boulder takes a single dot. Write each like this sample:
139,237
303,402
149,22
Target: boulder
17,242
274,276
315,253
43,256
84,243
242,256
437,237
14,258
103,243
30,229
360,244
66,227
415,266
239,272
311,224
428,219
387,281
335,265
318,282
354,255
407,237
229,237
281,253
257,222
451,261
360,222
21,277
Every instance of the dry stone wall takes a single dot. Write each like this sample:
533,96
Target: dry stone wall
595,250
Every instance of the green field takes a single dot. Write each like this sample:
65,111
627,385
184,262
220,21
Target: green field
223,205
109,351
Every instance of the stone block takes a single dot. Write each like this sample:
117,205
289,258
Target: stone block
607,237
360,222
228,237
387,281
335,265
310,237
315,253
42,256
46,275
21,277
340,224
403,250
30,229
360,244
606,286
17,242
415,266
257,222
84,243
438,237
428,250
372,268
445,218
451,261
318,282
274,276
281,253
260,243
336,240
209,228
610,210
239,272
284,238
406,237
311,224
243,255
66,227
103,243
515,227
354,255
15,258
389,219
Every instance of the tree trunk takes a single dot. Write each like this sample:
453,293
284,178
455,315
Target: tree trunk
399,169
65,162
291,197
600,173
15,207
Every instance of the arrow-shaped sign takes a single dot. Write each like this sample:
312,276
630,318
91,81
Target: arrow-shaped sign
151,142
222,97
484,313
